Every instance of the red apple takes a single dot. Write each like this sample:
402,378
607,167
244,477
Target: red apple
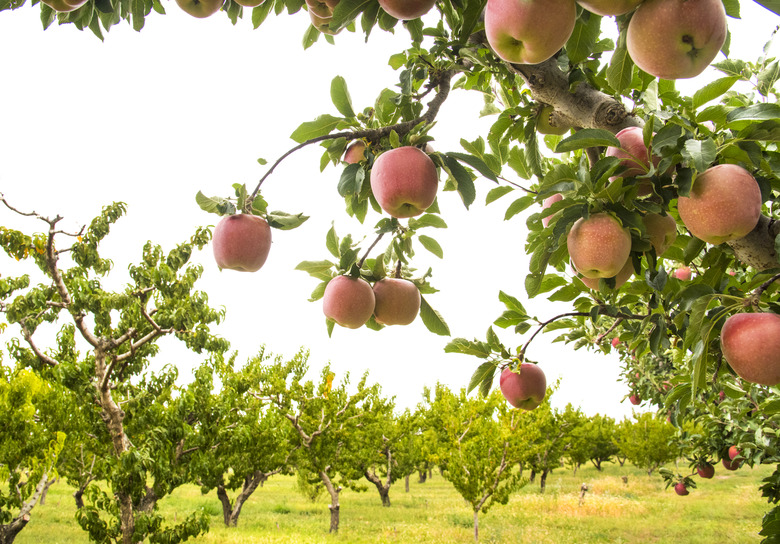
64,6
615,342
724,204
356,152
200,8
635,157
683,273
404,181
348,301
397,301
525,390
241,242
546,203
733,452
674,39
662,230
751,345
680,489
609,7
406,10
705,470
731,465
635,400
620,278
599,246
529,31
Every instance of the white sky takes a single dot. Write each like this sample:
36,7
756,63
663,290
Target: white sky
150,118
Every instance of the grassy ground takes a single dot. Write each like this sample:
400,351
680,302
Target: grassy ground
726,509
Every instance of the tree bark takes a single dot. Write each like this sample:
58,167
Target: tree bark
9,531
232,510
406,483
423,475
383,488
334,501
543,480
46,490
533,476
476,525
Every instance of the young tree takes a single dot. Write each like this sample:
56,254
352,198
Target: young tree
600,431
120,331
648,442
560,116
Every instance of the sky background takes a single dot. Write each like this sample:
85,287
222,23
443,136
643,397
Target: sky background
189,104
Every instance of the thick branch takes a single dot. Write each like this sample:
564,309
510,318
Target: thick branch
757,249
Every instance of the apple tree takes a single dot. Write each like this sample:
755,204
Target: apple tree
649,210
648,442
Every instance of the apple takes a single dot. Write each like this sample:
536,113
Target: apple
241,242
397,301
751,345
200,8
404,181
356,152
348,301
320,9
635,157
525,389
546,203
705,470
724,204
733,452
680,489
249,3
615,342
620,278
683,273
609,7
662,230
599,246
674,39
635,400
545,124
64,6
731,465
529,31
406,10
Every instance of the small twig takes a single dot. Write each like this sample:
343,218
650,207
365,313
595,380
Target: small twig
372,246
601,336
764,286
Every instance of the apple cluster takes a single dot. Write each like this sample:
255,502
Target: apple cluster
350,302
670,39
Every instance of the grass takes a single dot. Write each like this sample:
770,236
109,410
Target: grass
727,508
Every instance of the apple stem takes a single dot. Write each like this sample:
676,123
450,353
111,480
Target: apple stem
398,269
441,81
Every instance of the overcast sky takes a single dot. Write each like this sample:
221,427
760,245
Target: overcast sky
151,118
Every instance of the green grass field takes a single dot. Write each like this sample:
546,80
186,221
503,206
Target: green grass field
727,508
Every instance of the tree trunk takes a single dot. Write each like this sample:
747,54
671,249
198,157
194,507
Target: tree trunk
476,525
575,469
384,489
227,506
430,472
520,473
533,476
423,475
147,501
334,501
78,495
46,490
406,483
543,479
231,511
8,532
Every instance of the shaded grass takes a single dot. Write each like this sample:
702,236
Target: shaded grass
728,508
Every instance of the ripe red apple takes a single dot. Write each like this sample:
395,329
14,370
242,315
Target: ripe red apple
406,10
733,452
404,181
599,246
724,204
731,465
635,400
751,345
546,203
705,470
525,390
635,157
680,489
615,342
64,6
348,301
683,273
397,301
620,278
545,124
674,39
662,230
355,153
529,31
609,7
241,242
200,8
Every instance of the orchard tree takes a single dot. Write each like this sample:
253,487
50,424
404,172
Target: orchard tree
652,212
133,417
648,442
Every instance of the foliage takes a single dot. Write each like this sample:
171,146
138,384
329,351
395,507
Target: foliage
647,442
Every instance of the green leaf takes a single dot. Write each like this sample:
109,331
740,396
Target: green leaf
398,60
621,68
431,245
286,221
322,270
476,163
583,38
471,17
771,5
518,206
214,204
427,220
758,112
260,13
332,242
310,37
351,181
467,347
589,137
511,303
466,189
339,95
347,11
701,153
321,126
485,372
713,90
433,321
497,192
